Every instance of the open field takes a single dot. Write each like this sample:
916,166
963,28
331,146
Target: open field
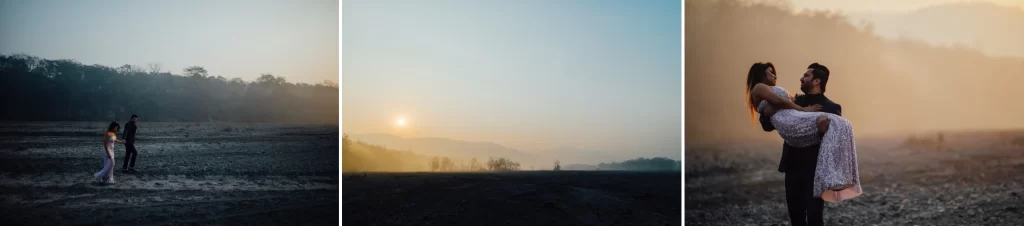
967,179
189,173
513,198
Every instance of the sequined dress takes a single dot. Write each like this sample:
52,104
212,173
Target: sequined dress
837,157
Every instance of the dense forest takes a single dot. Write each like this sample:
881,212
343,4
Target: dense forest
885,86
37,89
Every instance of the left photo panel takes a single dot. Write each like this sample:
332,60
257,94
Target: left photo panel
170,112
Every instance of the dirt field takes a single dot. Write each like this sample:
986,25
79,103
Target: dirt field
968,179
519,198
189,173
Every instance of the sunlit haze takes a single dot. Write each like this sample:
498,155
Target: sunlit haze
918,67
531,75
887,5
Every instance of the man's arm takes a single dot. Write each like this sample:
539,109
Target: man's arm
833,108
766,123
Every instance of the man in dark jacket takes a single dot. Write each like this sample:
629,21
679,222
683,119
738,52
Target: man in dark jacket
799,163
129,145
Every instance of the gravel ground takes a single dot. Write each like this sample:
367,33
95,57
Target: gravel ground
189,173
968,179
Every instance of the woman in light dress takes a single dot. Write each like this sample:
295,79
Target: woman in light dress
106,175
836,175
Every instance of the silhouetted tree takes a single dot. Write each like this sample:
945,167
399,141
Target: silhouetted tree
154,68
195,72
446,164
474,165
502,164
435,163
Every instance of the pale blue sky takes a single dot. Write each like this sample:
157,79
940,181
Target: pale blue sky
531,74
294,39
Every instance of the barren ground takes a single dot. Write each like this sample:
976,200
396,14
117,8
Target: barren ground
968,179
189,173
514,198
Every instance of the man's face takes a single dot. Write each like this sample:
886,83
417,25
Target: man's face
808,82
135,119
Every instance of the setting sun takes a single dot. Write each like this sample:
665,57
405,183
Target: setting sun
400,122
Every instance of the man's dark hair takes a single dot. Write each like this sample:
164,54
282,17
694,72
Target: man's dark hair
135,116
819,72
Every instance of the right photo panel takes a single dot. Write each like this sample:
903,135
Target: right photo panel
853,112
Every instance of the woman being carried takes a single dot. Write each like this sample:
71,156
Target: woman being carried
836,175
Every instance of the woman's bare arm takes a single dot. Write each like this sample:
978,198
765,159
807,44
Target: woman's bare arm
763,92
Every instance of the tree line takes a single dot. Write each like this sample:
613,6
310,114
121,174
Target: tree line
445,164
637,164
643,164
36,89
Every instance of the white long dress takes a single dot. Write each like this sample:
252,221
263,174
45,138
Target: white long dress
837,157
107,173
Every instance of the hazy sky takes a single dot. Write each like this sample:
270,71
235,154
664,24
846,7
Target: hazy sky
294,39
598,75
887,5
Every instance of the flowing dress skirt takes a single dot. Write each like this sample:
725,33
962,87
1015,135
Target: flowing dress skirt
836,177
107,173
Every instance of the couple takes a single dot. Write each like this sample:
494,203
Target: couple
819,155
106,175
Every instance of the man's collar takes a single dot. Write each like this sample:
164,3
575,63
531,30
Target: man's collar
819,96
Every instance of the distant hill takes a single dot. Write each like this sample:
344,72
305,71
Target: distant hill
447,147
465,150
993,29
361,156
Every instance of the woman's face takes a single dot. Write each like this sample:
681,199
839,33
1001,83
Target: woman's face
770,77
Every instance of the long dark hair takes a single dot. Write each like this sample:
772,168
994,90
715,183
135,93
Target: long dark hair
113,127
754,76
